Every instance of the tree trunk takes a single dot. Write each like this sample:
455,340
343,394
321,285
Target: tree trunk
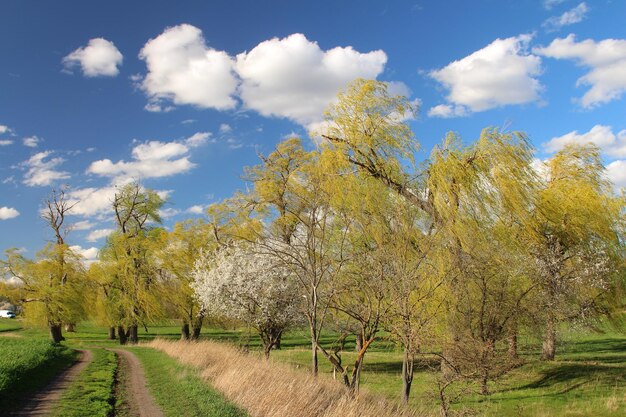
122,334
278,339
358,342
111,333
133,336
407,375
484,387
56,334
70,327
313,354
549,340
184,331
512,340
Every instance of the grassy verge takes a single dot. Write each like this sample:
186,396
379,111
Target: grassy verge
9,325
178,389
91,394
27,365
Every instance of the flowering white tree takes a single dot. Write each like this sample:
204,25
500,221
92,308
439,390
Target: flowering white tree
243,284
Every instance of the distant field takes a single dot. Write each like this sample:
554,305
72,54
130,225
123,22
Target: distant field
588,377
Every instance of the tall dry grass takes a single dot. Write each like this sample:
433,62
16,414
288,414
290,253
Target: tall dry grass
270,389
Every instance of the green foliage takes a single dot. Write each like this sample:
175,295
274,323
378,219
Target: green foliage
27,365
91,394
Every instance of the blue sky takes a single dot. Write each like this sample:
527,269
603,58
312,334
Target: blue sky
184,95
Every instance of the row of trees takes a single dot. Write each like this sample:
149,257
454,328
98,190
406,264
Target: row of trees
452,257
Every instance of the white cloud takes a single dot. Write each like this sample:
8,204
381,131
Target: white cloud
616,172
612,144
100,58
605,59
90,255
184,70
31,141
82,225
91,201
8,213
225,128
166,213
197,139
499,74
447,111
294,78
98,234
570,17
6,142
151,159
549,4
197,209
42,172
4,129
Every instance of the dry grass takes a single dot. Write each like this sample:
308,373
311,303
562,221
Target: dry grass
269,389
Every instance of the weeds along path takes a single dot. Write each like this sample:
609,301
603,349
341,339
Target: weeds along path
140,400
42,403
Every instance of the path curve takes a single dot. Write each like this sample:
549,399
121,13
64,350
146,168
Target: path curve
141,401
42,403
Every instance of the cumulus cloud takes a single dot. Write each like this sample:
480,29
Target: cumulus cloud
196,209
91,201
6,142
225,128
616,172
197,139
31,141
570,17
98,234
613,145
90,255
166,213
294,78
100,58
4,129
82,225
8,213
606,61
152,159
501,73
447,111
41,170
184,70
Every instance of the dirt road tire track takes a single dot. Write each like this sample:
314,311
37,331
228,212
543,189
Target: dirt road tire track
142,403
42,403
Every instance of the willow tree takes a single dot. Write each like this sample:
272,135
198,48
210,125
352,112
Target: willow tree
134,289
176,252
577,239
51,285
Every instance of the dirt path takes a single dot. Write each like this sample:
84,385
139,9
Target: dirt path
140,400
42,403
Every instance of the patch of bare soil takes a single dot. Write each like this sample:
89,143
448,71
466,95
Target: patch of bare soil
137,396
42,403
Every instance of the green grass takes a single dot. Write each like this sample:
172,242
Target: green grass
27,365
9,325
178,389
91,394
588,377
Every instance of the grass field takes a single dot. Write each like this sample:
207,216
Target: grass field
178,389
588,377
27,365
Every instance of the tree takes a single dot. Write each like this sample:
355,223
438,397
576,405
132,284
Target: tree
53,282
576,239
134,289
176,253
248,286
